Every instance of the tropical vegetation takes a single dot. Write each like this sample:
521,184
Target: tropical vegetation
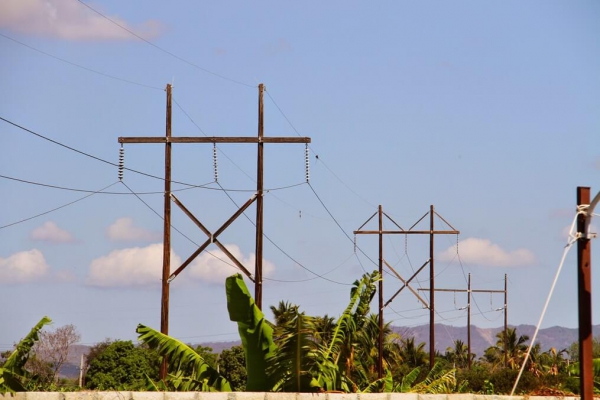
299,353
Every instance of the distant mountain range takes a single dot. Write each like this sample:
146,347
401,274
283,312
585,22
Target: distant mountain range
445,335
482,338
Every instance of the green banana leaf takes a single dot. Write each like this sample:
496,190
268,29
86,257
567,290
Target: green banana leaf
255,332
12,373
181,357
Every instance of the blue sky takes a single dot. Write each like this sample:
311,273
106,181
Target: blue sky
489,111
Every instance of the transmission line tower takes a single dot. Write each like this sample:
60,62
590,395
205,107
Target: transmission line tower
469,291
168,140
431,232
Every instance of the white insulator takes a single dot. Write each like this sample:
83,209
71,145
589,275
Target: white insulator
307,163
121,162
215,162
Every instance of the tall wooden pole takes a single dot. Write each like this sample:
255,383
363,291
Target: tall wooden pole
431,291
584,290
164,309
469,322
259,203
380,342
505,320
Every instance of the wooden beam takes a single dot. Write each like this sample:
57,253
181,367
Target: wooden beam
213,139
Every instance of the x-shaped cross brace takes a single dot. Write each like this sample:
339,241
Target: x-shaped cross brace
212,237
406,284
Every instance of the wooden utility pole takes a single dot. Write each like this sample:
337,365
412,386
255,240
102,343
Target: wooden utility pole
469,291
431,232
584,290
164,304
431,292
168,140
259,201
469,322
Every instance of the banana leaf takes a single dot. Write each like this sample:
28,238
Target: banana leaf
12,373
255,333
182,357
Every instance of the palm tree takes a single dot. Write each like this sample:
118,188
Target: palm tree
554,361
412,354
509,350
459,354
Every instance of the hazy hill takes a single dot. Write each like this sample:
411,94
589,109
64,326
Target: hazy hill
482,338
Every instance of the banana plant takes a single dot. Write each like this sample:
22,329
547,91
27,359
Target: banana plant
437,381
182,358
12,373
255,332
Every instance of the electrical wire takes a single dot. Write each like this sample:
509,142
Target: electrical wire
96,192
57,208
177,230
80,66
203,186
284,252
339,226
86,154
313,278
164,50
316,155
560,266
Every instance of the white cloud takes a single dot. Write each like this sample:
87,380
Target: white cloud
23,267
210,269
483,252
50,232
136,266
123,230
68,19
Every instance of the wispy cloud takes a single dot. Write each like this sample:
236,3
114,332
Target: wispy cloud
482,252
50,232
209,268
68,19
123,230
136,266
23,267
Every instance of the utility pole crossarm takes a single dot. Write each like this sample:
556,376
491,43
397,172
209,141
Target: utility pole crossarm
407,232
213,139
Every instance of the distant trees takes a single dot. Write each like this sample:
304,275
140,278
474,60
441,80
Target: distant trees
120,365
51,352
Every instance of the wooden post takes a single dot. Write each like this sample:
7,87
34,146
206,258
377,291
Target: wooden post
431,292
164,308
584,290
505,320
469,321
259,203
380,341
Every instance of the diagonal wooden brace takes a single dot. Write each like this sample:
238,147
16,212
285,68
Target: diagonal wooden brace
406,284
212,237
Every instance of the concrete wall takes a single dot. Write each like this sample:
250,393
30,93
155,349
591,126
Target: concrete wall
90,395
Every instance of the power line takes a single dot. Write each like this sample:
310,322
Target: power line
174,228
203,186
80,66
166,51
316,155
339,226
94,191
285,253
57,208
